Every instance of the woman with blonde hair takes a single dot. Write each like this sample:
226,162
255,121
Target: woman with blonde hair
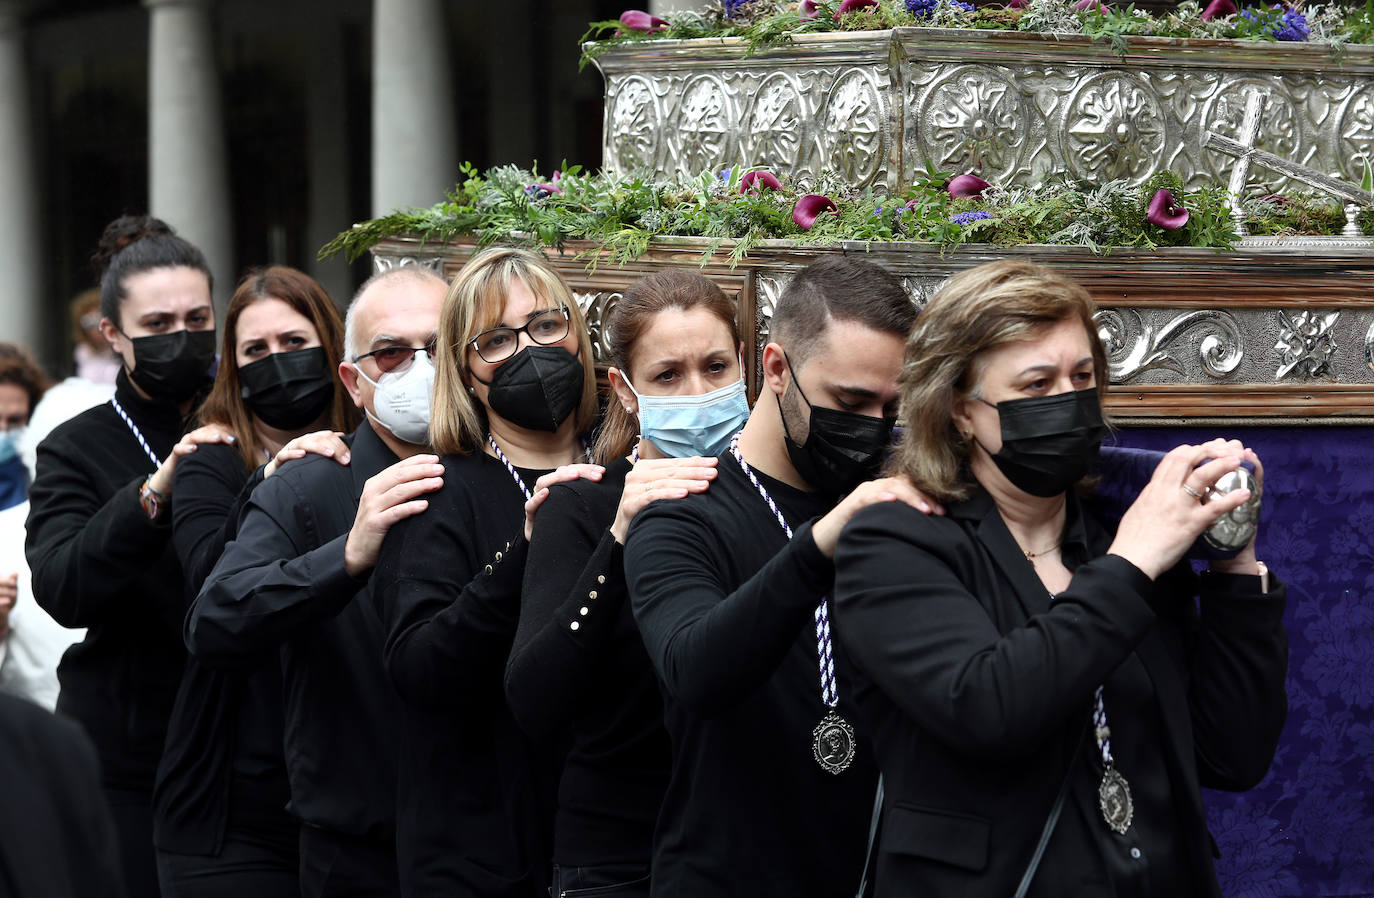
514,399
1047,697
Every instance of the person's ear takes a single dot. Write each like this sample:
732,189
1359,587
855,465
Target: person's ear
623,394
776,371
963,420
348,375
111,335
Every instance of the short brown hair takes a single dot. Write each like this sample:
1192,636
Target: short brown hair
303,293
975,311
475,301
16,367
674,288
838,288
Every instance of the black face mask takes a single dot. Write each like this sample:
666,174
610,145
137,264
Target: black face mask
1049,443
288,390
538,388
175,366
842,449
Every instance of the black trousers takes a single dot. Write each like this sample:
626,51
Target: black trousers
619,881
244,868
133,819
337,865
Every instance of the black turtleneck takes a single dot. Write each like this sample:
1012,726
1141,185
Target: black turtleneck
99,562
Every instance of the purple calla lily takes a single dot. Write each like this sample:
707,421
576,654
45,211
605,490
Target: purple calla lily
1218,8
966,185
849,6
1088,6
811,207
639,20
1166,212
757,181
808,9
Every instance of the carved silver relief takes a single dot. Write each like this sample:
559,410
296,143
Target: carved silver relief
596,309
1114,128
381,263
1307,344
854,128
634,125
822,105
972,120
1135,345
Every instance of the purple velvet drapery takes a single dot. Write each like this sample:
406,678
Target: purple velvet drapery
1308,829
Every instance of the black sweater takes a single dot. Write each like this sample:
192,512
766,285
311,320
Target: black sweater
725,602
474,805
99,562
578,662
223,765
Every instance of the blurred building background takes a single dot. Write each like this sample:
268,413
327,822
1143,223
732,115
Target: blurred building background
261,128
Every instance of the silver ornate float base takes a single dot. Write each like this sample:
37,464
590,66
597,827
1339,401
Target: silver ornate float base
1271,334
874,106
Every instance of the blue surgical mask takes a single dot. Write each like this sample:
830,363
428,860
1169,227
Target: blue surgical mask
681,426
9,444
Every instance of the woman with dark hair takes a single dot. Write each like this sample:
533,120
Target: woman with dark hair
578,664
99,527
1047,697
220,822
514,397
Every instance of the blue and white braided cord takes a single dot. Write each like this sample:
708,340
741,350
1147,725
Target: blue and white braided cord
491,441
825,651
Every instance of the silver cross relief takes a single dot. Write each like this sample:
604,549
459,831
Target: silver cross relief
1247,153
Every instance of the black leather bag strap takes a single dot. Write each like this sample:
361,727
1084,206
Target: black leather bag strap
872,837
1051,820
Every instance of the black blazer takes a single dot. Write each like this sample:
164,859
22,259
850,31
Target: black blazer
56,836
976,691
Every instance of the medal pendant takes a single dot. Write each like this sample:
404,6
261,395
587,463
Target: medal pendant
833,743
1114,798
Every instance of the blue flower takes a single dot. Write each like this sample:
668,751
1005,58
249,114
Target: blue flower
732,6
724,173
1284,25
878,211
925,8
968,218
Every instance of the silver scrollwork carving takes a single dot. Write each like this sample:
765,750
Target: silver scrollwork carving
776,122
596,308
1135,346
382,263
1356,133
703,125
1282,131
1306,343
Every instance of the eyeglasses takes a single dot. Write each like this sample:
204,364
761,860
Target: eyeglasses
500,343
395,358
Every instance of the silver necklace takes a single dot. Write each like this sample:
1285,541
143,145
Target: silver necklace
832,741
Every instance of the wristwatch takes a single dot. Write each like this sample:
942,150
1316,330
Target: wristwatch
152,501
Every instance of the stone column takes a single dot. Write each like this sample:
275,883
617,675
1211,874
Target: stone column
414,137
22,299
188,176
327,145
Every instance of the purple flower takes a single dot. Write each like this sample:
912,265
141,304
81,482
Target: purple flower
808,9
809,208
732,6
639,20
724,174
1294,27
1166,212
966,185
1217,9
849,6
1088,5
758,181
968,218
539,191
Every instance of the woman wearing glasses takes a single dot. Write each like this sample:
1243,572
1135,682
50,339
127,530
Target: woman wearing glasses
578,664
514,396
220,821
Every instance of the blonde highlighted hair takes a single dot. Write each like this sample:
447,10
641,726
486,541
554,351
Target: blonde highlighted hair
976,311
475,302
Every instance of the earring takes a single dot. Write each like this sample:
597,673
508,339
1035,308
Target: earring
472,390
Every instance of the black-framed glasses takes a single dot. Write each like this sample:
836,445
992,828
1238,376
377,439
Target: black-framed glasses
395,358
500,343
